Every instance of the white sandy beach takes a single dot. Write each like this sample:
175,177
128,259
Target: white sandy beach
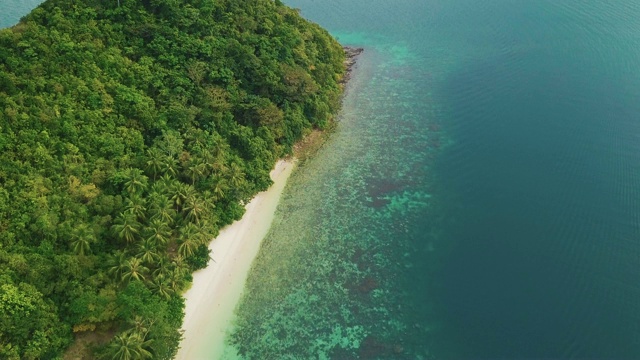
216,290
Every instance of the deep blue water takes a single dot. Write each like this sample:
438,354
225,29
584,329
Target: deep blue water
545,168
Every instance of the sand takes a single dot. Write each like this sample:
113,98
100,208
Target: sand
216,289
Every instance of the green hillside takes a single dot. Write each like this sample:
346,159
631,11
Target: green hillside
130,132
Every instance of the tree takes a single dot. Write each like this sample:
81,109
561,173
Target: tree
170,165
136,205
140,325
155,162
123,346
148,251
158,232
134,270
135,180
117,264
126,227
195,208
236,176
220,188
29,324
181,192
162,210
129,345
218,162
162,268
81,239
189,240
162,287
177,278
81,246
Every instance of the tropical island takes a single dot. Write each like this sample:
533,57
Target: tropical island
131,132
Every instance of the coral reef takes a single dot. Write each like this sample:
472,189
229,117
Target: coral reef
329,280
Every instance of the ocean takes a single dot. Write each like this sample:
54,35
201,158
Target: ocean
478,199
12,10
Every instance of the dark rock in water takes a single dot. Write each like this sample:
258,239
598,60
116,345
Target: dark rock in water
379,190
373,348
351,53
367,285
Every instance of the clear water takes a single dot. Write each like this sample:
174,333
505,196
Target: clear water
479,198
12,10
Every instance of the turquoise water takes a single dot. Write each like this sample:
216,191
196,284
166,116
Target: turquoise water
479,198
12,10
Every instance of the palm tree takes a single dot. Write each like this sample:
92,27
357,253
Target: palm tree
143,347
170,165
134,270
140,325
162,268
209,163
206,231
81,239
136,205
220,188
153,197
123,347
126,227
117,264
195,170
194,208
147,251
155,193
196,139
80,246
236,176
208,199
135,180
158,231
176,277
129,345
189,240
154,162
162,210
162,287
219,164
161,186
167,182
181,192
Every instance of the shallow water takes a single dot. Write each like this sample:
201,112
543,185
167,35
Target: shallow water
479,198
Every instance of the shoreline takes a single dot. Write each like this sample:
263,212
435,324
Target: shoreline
351,57
216,289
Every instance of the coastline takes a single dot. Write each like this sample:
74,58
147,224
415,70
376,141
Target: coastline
216,289
351,56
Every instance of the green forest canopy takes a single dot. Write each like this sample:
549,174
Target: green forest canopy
130,132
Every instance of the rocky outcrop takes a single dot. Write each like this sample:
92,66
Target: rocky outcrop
352,54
